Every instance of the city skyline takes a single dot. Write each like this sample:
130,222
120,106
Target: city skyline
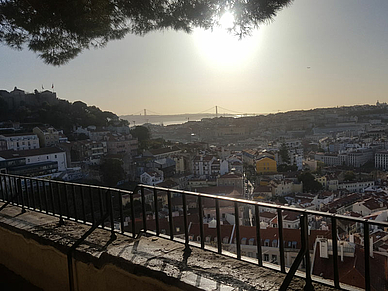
314,54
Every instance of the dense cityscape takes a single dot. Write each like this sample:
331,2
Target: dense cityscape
327,159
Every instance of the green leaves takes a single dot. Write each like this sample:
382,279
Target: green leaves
59,30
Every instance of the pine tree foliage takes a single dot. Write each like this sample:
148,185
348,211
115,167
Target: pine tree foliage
60,30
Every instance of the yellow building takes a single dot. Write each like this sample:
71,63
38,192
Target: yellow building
322,180
266,165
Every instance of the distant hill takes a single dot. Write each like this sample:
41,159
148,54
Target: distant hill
44,107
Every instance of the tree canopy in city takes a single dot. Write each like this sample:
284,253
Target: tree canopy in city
59,30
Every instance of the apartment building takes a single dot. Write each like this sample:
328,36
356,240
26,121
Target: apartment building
20,142
48,136
381,160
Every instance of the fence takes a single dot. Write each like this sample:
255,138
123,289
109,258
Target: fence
104,207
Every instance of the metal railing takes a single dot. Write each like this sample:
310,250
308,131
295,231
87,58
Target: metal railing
104,207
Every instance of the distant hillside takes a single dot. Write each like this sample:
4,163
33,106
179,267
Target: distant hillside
44,107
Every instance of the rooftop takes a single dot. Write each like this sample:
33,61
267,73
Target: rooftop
10,154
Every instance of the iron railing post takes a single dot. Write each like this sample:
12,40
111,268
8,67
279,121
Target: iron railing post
237,228
83,204
200,217
366,257
111,212
61,222
143,204
281,241
184,204
218,218
335,251
170,221
258,237
19,185
120,197
73,191
309,285
133,223
156,210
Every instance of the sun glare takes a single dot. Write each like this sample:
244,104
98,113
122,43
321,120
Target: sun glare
221,48
226,21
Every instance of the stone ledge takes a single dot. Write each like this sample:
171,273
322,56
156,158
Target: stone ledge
153,258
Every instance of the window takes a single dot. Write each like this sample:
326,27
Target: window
55,156
266,243
274,243
266,257
294,244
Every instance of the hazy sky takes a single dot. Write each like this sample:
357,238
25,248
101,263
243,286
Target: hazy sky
345,44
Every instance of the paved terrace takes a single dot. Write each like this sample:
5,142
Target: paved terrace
144,263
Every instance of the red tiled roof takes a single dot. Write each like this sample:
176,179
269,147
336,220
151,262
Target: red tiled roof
267,214
352,269
271,234
371,204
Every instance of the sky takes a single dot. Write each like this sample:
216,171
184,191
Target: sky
313,54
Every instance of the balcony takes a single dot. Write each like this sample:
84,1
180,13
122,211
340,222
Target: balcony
82,237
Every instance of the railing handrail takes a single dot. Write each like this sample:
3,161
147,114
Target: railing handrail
274,206
229,199
39,189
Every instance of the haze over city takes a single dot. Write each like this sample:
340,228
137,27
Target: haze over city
314,54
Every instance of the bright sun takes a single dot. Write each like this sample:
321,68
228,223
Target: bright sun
222,48
226,21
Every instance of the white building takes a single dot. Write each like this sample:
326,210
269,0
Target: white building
368,206
355,186
381,160
20,142
38,156
202,165
152,178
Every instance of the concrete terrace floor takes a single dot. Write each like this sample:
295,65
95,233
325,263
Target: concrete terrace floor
152,256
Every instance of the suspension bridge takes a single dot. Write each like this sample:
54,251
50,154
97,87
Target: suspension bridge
215,110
